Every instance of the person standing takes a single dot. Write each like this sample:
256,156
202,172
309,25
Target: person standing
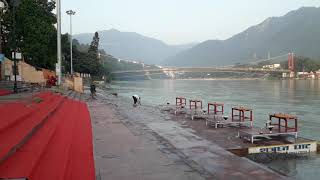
93,90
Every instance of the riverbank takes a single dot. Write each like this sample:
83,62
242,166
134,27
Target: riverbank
221,79
181,144
123,152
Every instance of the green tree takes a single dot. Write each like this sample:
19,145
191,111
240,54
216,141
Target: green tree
83,61
94,46
34,33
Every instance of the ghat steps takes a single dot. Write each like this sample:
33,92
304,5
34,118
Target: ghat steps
47,140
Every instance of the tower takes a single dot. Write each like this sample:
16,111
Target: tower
291,61
291,65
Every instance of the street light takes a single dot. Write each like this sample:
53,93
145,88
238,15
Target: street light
71,13
14,4
58,65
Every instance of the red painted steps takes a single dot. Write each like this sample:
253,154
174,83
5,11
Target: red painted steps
59,149
53,162
17,134
16,111
26,158
12,113
4,92
81,163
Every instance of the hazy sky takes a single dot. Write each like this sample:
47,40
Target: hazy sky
175,21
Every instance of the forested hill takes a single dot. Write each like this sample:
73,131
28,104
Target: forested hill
297,31
133,46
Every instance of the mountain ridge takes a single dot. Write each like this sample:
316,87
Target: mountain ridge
296,31
133,46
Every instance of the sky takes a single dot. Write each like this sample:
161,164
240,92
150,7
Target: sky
175,21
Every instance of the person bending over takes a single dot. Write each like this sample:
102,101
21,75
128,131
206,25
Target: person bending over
136,100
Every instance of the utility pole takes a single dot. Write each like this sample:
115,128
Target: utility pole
71,13
58,68
15,3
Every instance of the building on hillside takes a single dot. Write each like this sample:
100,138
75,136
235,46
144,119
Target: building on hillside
272,66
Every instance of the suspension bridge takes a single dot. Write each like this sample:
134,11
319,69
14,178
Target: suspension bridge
230,68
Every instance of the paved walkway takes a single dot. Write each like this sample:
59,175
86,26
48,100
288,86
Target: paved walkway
122,154
184,155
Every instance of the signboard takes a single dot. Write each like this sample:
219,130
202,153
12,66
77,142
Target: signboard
18,55
18,78
57,68
297,148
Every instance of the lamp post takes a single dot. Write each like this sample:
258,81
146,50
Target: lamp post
14,3
58,68
3,9
71,13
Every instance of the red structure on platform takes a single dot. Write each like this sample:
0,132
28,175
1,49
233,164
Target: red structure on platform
195,104
217,107
287,119
291,65
240,112
181,101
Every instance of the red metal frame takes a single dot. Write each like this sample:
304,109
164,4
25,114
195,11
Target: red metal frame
285,118
242,114
181,101
291,62
216,107
194,103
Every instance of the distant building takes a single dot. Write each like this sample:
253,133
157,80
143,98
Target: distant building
317,73
284,75
272,66
309,75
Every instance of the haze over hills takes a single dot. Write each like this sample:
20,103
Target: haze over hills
298,31
133,46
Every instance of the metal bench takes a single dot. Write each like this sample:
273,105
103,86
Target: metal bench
254,133
221,121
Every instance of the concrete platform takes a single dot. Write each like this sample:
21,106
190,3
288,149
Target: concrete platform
124,155
203,156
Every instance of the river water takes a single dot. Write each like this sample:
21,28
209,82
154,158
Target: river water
298,97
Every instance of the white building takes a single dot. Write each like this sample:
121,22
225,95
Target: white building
272,66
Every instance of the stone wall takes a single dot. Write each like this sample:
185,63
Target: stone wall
75,83
27,73
78,84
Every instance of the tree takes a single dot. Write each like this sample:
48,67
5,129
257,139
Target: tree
83,61
93,62
34,34
94,46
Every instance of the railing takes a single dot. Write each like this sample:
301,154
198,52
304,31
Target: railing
205,69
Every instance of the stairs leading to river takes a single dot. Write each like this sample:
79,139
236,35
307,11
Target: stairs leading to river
47,140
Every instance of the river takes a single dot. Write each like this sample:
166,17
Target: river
298,97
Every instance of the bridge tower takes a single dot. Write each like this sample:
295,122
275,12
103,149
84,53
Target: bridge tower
291,65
